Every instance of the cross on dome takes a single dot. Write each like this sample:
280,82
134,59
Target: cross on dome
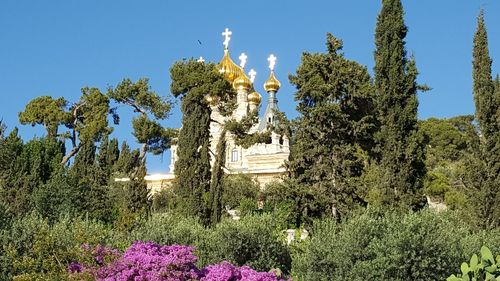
227,36
252,74
243,60
272,61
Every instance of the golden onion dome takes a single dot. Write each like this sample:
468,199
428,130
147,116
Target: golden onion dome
254,98
272,84
228,68
242,82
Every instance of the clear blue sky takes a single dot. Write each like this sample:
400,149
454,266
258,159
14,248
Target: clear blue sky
56,47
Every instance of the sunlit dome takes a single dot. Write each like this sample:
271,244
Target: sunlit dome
228,68
272,84
254,98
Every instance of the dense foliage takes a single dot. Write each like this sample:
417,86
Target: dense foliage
332,137
33,248
380,245
193,81
486,98
400,166
74,203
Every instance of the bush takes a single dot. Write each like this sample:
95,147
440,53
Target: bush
255,241
150,261
238,188
374,246
296,204
169,229
35,250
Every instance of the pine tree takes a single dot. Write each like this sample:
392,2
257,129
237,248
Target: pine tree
486,92
333,135
401,152
193,81
151,108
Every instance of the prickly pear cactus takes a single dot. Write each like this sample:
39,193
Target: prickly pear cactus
486,269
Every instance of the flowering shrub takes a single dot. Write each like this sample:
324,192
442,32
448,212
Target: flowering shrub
149,261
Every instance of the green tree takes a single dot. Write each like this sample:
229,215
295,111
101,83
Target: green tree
217,181
31,165
192,82
46,111
137,192
93,196
58,197
448,139
401,166
332,137
151,108
239,188
89,122
127,161
450,143
486,192
87,119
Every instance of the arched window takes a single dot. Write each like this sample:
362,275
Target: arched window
234,155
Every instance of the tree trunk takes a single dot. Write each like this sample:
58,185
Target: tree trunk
70,154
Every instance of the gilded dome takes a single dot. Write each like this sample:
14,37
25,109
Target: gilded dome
254,98
272,84
242,82
228,68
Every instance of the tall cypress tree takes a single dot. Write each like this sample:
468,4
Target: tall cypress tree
216,184
137,192
91,183
483,84
193,81
400,147
486,92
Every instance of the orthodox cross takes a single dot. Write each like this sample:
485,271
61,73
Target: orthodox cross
272,61
252,74
227,37
243,60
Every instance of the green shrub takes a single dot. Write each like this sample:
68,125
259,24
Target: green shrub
296,204
473,242
375,246
165,200
168,229
35,250
237,188
255,241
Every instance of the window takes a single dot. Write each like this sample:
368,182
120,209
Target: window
234,155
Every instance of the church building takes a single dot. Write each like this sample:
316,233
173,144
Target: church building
263,161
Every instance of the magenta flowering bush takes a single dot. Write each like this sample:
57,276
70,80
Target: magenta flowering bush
147,261
225,271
